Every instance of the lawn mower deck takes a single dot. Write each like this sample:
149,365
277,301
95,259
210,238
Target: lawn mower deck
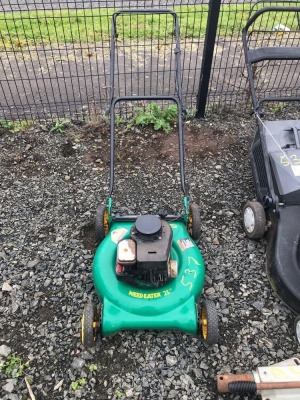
130,304
275,160
148,271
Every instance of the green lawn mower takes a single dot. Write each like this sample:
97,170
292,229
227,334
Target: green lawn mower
148,271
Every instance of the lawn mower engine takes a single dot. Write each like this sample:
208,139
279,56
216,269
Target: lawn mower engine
145,258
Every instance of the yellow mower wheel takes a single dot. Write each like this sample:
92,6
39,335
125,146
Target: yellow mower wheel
101,222
194,221
208,322
89,325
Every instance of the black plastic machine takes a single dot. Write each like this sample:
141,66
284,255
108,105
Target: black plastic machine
275,160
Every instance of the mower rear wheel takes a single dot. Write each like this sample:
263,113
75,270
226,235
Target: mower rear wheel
101,222
297,328
89,325
194,221
208,322
254,220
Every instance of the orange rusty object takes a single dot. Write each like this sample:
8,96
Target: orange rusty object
278,385
224,380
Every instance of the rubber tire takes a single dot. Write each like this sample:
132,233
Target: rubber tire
195,229
88,334
259,220
99,222
297,320
212,322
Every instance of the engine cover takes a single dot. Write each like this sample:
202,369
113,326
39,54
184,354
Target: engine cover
153,238
145,258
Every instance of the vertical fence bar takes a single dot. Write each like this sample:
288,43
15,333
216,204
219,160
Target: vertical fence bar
208,52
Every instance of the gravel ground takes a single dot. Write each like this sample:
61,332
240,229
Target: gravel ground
51,184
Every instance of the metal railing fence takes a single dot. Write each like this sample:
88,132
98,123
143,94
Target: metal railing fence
54,55
229,82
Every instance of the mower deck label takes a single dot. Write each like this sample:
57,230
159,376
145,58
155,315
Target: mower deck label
118,234
185,244
140,295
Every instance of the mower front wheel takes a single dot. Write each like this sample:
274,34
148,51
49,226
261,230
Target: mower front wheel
297,328
101,222
208,322
90,325
194,221
254,220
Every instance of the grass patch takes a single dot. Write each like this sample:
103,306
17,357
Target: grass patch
159,118
60,126
78,384
13,366
15,126
19,30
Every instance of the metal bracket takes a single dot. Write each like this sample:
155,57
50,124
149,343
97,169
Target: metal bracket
279,381
285,371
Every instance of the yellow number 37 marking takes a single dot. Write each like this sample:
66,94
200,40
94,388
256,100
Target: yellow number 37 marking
188,273
188,284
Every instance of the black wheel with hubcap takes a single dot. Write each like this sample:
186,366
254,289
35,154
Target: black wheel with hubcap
90,325
194,221
208,322
101,222
254,220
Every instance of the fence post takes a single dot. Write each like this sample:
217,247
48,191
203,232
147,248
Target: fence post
208,52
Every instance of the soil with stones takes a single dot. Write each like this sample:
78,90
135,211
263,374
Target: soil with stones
50,187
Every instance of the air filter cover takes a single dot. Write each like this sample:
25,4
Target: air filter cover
148,225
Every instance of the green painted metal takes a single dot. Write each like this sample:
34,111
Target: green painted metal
186,207
172,306
109,205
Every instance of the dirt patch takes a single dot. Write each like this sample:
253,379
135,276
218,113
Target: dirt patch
148,147
45,314
3,131
24,153
67,149
202,142
88,236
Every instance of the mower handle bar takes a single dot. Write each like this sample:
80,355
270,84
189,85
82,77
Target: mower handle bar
112,134
144,11
178,86
113,40
267,53
254,17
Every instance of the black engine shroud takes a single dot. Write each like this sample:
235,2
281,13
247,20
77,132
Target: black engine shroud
153,240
